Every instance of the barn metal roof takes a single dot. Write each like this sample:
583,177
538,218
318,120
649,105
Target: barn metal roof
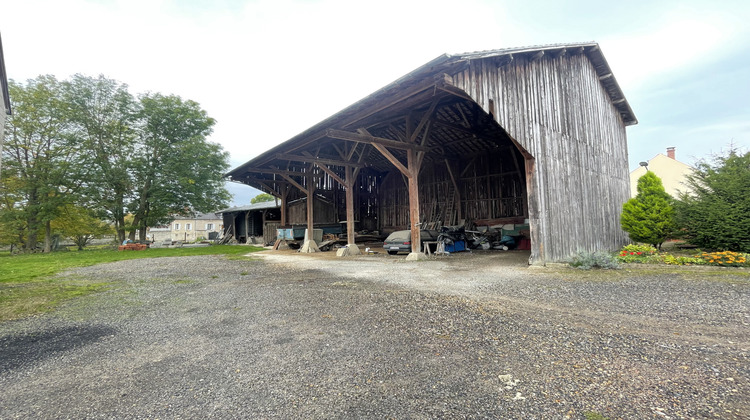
384,117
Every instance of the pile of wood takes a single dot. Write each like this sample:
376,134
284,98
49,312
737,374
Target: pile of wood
132,247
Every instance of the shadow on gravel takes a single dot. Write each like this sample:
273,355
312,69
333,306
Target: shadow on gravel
18,350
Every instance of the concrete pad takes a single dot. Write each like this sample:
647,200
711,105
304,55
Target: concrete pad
416,256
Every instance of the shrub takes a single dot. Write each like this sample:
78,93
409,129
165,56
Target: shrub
716,213
670,259
637,254
649,216
588,260
725,259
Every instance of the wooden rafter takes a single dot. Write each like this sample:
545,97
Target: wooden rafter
295,183
332,174
274,171
454,127
388,155
370,139
437,83
425,119
314,160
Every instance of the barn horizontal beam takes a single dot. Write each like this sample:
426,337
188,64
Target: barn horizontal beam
273,171
364,138
316,160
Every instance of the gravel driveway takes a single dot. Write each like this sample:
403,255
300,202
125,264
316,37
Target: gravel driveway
478,335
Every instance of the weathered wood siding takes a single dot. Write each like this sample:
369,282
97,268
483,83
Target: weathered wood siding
558,111
490,189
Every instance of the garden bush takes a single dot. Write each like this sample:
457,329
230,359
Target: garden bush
635,253
588,260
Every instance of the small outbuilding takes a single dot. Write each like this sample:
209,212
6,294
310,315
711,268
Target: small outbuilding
254,223
523,136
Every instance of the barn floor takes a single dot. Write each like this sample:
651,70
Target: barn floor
512,257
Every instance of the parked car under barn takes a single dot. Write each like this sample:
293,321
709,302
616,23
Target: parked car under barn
400,240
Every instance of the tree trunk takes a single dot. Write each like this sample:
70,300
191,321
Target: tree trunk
47,236
32,223
31,239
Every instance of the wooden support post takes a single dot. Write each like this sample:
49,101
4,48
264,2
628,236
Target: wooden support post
414,224
284,201
310,246
349,178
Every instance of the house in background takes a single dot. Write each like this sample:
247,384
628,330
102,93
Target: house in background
4,99
672,172
202,226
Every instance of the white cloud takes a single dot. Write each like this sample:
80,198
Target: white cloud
268,69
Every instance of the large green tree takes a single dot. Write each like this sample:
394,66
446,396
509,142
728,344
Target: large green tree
176,169
88,143
649,217
716,214
104,115
37,175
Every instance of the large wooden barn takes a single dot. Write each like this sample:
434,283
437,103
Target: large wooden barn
533,135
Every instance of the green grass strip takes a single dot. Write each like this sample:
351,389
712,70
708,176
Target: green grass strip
28,282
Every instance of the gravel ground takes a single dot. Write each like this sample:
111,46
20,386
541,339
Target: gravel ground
475,335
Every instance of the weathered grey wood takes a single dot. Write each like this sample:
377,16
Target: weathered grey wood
532,133
364,138
414,220
558,111
400,166
315,160
350,180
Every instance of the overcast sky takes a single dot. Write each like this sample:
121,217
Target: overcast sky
266,70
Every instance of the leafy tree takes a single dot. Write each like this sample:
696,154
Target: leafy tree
716,215
649,216
12,223
80,225
88,142
176,170
262,197
37,157
104,114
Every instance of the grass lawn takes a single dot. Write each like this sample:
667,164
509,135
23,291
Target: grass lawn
28,284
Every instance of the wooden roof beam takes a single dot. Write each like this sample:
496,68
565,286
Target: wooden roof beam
315,160
395,162
365,138
274,171
296,184
406,93
454,127
425,119
333,175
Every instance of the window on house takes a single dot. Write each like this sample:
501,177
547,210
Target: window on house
188,226
176,226
209,226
